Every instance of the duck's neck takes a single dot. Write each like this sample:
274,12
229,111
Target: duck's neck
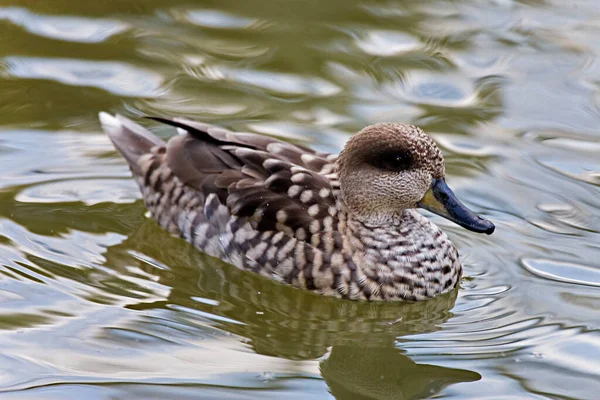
398,237
407,251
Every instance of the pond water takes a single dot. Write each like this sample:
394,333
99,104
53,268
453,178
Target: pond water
97,302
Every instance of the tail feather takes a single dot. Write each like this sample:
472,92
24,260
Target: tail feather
131,139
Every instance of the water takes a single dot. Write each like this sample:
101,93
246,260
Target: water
97,302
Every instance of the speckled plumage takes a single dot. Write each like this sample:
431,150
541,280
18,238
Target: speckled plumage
339,226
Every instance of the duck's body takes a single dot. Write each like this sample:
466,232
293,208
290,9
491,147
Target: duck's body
286,212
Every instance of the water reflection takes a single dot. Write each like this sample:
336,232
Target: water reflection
115,77
69,28
276,319
384,373
357,339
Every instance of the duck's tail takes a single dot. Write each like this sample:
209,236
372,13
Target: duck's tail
131,139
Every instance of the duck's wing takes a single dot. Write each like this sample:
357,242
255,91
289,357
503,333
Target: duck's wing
277,185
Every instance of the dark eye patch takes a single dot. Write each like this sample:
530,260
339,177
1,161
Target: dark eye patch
392,161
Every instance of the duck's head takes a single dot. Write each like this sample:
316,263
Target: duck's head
387,168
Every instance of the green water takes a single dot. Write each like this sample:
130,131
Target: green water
97,302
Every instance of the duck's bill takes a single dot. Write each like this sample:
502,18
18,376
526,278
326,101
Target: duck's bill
440,200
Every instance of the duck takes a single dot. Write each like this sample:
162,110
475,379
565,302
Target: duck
344,225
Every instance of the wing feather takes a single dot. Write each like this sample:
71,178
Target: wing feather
276,185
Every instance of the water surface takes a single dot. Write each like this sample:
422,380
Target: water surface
97,302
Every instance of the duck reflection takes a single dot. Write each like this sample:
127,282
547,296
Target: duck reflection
283,322
360,373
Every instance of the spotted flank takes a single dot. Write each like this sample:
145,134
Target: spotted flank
343,226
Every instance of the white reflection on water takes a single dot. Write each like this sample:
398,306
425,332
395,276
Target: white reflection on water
387,43
116,77
283,83
218,19
563,271
69,28
88,191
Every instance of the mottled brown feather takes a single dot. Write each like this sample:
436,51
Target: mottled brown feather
251,180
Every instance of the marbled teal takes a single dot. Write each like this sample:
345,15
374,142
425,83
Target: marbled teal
341,225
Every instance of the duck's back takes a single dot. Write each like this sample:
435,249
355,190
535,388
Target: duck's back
253,201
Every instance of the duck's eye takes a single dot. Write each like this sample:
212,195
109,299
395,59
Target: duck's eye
392,161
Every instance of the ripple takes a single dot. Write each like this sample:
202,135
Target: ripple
443,90
78,250
283,83
71,28
180,104
578,145
482,63
280,129
387,43
133,338
87,191
218,19
320,116
116,77
73,155
303,134
465,147
572,365
563,271
570,215
580,169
